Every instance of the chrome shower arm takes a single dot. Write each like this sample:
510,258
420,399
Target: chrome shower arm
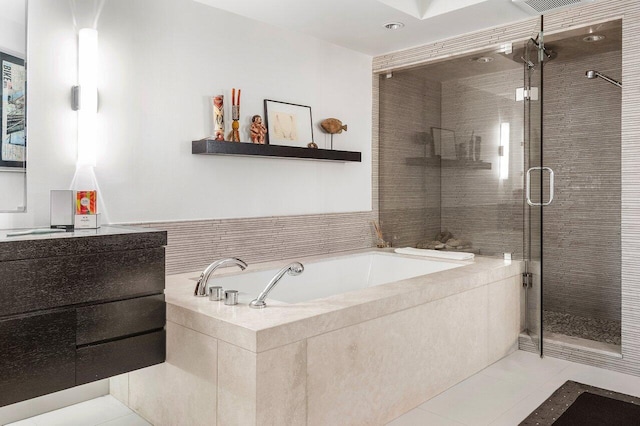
610,80
591,74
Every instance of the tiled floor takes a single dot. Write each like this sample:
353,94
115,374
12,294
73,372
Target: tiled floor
600,330
501,395
506,392
103,411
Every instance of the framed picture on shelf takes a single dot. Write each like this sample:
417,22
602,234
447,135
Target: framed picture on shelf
13,142
445,142
288,124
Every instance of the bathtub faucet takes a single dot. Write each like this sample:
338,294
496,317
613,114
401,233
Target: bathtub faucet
201,287
294,268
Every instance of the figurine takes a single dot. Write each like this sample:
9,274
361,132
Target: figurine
333,126
258,131
218,117
235,116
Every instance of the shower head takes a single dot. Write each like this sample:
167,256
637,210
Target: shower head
595,74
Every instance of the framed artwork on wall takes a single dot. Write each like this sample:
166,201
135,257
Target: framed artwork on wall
13,141
288,124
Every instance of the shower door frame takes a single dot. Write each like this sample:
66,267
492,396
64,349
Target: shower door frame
533,278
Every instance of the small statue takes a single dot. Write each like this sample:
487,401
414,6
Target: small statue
234,136
258,131
218,117
333,126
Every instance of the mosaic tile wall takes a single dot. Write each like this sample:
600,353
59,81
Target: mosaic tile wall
195,244
409,191
581,244
477,205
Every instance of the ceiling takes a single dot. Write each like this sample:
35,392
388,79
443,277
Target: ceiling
358,24
564,46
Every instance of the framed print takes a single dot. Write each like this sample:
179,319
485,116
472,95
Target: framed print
288,124
13,141
445,142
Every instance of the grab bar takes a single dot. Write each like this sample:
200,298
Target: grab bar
551,186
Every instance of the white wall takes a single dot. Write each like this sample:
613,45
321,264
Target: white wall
12,41
12,27
161,60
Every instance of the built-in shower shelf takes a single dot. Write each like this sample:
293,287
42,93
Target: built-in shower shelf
212,147
443,162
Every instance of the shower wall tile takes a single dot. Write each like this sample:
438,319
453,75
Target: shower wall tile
477,205
582,144
409,194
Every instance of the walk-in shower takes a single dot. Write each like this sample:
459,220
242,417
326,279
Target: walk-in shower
457,138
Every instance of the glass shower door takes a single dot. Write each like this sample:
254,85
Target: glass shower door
534,188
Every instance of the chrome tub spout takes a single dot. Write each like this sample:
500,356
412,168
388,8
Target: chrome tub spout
201,287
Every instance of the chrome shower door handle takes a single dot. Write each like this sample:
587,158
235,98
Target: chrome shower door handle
552,184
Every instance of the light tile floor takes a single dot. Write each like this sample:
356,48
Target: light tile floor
502,394
506,392
103,411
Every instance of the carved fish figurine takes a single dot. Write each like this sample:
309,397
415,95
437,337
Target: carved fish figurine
333,126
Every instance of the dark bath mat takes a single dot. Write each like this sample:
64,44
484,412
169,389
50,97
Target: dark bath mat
589,409
576,404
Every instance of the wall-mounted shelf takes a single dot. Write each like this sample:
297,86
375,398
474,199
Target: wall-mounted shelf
212,147
438,162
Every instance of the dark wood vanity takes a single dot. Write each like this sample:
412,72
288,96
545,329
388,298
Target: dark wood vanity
79,307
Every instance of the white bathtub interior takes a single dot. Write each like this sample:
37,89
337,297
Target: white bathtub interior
332,276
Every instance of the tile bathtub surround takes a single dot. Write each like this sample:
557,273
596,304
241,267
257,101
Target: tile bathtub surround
281,323
183,389
270,363
423,351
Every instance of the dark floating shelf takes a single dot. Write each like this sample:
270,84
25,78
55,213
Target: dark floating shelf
212,147
436,161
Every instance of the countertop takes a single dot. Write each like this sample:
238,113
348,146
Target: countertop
105,238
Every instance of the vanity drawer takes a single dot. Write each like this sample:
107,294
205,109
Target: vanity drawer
108,321
37,355
37,284
104,360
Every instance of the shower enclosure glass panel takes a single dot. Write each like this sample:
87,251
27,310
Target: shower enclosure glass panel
451,154
535,191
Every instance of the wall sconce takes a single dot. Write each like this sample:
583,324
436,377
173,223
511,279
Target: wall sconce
503,150
85,96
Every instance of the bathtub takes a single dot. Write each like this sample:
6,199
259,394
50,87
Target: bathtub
329,277
358,338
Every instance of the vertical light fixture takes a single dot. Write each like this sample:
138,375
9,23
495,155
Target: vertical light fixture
505,138
87,96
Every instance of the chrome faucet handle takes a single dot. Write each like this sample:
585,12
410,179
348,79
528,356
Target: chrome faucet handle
295,268
201,286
